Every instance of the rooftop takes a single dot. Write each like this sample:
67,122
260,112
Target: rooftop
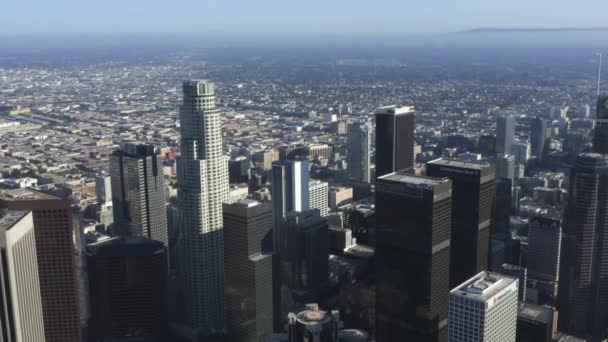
24,194
395,110
9,217
535,312
414,180
483,286
461,163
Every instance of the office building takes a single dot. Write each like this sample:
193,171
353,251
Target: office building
304,251
473,191
539,137
339,196
505,134
248,257
128,289
103,188
264,159
413,225
21,313
358,152
505,167
319,196
139,192
502,209
583,278
534,323
518,272
484,308
395,139
290,191
319,151
544,247
521,151
600,129
202,188
238,170
57,267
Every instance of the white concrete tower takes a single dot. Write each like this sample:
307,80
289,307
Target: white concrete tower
202,188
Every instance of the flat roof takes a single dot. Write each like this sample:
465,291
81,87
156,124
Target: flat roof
414,179
8,218
480,165
535,312
483,286
395,110
24,194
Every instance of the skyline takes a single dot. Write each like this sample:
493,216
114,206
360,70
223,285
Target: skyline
313,17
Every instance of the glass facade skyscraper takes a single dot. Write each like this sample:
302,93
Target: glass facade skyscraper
413,215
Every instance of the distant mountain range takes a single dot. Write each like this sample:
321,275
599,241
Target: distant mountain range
531,29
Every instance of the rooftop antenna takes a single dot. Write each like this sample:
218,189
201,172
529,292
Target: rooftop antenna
599,74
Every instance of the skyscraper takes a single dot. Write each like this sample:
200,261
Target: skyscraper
473,191
358,149
544,247
394,139
305,251
413,216
57,271
103,188
248,256
319,196
128,289
583,280
202,188
600,131
21,311
290,191
138,192
505,134
534,323
538,137
484,308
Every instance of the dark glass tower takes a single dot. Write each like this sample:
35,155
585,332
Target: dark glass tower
600,133
538,137
138,192
248,256
128,289
394,139
473,194
412,257
583,277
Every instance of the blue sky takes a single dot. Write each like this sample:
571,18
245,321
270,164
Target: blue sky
288,16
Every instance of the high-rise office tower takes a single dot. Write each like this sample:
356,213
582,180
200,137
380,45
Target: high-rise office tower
394,139
534,323
290,191
202,188
305,251
319,196
505,134
538,137
57,268
248,254
484,308
239,170
544,247
413,219
505,167
138,192
358,149
21,311
600,130
519,272
583,276
473,191
128,289
103,188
